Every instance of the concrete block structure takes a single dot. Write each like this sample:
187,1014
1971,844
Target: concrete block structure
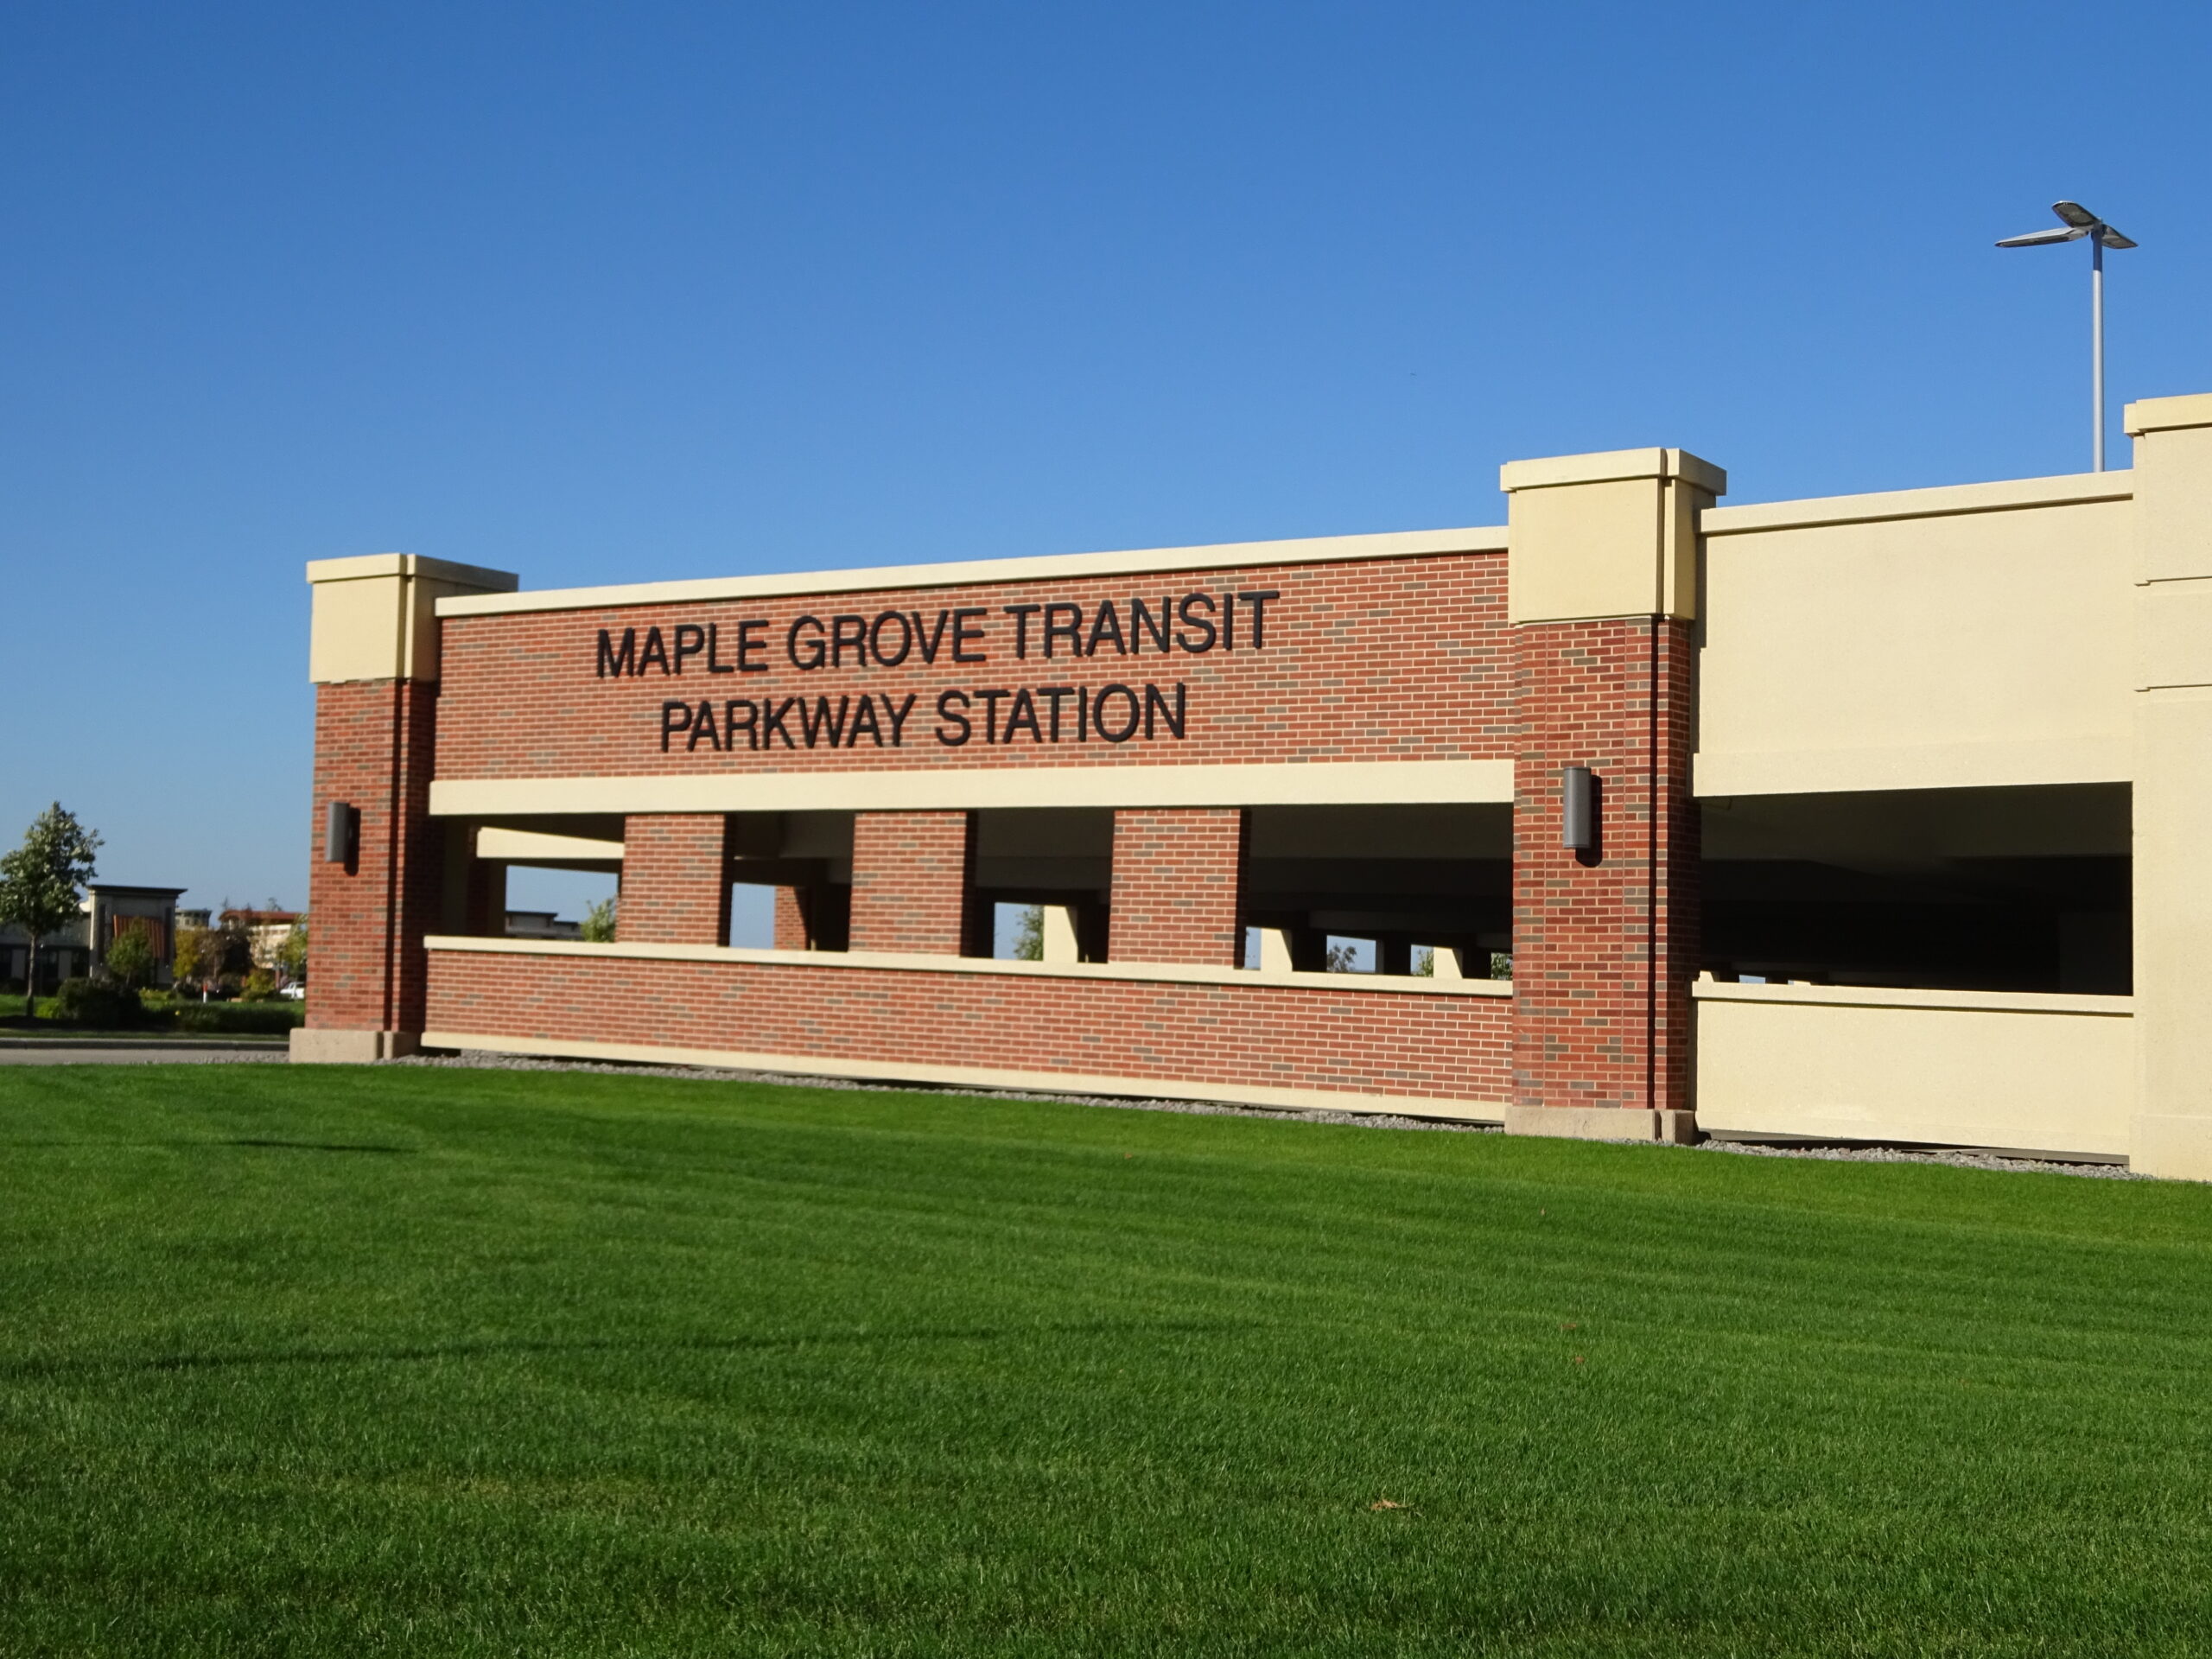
1862,818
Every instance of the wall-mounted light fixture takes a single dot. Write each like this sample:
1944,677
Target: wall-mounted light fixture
1578,816
341,833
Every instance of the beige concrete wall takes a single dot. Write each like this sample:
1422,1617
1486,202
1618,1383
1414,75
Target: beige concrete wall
1606,535
2173,788
1977,635
2027,1073
376,617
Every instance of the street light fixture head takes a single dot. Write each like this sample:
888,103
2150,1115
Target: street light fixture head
2080,221
2081,224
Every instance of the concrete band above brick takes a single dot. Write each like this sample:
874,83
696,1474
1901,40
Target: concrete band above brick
1321,783
852,733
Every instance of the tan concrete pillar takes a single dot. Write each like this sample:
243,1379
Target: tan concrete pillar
373,654
2171,1132
1061,938
1602,595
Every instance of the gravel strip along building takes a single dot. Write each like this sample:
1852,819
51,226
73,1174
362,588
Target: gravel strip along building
1865,818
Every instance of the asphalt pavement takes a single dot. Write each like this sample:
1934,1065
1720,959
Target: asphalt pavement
135,1051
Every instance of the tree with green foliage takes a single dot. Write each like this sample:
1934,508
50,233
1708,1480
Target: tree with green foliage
292,955
192,946
41,884
130,959
599,923
1029,934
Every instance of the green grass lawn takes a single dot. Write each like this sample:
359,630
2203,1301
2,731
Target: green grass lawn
424,1362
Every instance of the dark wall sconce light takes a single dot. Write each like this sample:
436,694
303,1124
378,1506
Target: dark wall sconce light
1578,809
341,833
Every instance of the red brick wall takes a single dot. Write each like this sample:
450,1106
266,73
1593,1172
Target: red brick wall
1177,880
790,921
373,748
1386,659
1293,1037
674,879
910,881
1605,947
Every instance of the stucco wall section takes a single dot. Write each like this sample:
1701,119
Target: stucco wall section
2030,1073
1986,648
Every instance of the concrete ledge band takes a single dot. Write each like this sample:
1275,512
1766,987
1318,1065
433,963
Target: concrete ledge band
1052,567
1162,972
1580,1123
1603,1123
976,1077
1320,783
314,1046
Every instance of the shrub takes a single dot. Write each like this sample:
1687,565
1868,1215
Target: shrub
96,1004
271,1019
260,986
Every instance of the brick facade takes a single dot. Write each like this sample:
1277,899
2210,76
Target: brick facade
1604,943
910,882
1430,1047
790,920
1399,659
674,879
1403,658
1177,881
374,749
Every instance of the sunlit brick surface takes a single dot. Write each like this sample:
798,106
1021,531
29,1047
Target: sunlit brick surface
1291,1036
1176,880
910,881
373,749
675,885
791,922
1605,948
1391,659
1396,659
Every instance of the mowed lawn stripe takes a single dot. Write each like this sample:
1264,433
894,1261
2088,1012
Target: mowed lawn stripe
428,1361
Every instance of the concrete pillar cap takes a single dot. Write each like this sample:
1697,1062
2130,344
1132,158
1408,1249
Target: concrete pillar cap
1612,466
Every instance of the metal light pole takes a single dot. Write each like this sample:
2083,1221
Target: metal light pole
2082,224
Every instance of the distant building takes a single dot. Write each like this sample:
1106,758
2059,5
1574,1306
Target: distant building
109,910
266,931
541,925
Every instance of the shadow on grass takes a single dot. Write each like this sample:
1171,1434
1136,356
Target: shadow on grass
42,1368
305,1146
256,1142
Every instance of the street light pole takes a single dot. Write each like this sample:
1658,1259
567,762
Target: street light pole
2081,225
2097,346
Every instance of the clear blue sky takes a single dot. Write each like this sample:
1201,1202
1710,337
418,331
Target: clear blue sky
600,293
